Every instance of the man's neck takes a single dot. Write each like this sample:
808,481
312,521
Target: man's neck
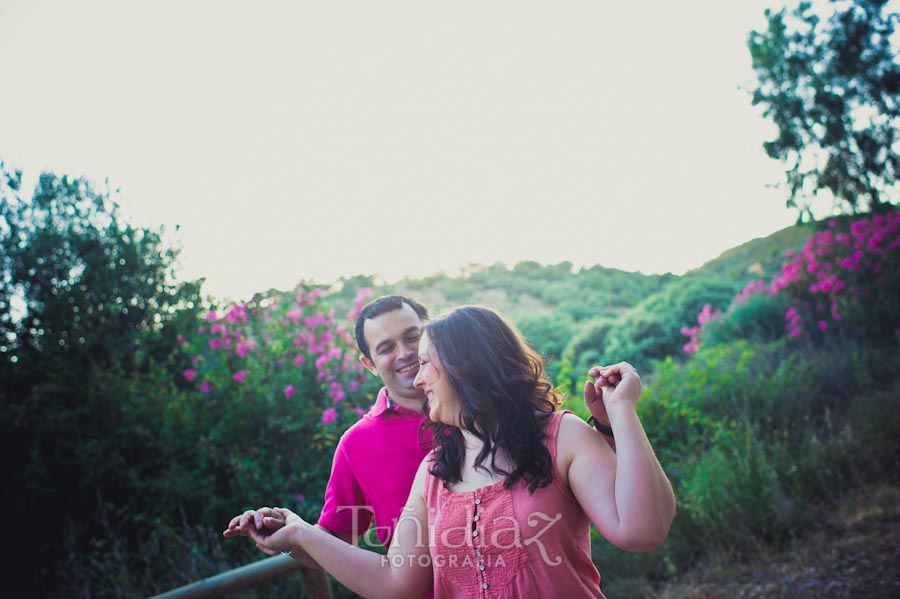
410,403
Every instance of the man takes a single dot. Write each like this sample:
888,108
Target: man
376,459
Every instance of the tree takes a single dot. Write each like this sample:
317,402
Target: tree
831,84
84,299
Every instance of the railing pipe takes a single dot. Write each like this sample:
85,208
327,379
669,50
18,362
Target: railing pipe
315,581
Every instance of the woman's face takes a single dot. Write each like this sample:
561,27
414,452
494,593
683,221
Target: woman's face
441,401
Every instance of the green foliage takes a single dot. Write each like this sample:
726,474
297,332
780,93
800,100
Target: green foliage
85,298
530,289
758,319
830,83
758,438
652,330
582,353
549,335
730,492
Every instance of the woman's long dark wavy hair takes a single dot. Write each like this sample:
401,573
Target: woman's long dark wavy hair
505,398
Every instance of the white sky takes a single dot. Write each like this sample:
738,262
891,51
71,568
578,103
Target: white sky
309,140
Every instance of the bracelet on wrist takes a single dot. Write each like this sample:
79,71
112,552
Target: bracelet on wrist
289,553
601,428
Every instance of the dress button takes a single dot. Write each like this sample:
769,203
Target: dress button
478,501
481,567
478,552
484,586
477,517
475,533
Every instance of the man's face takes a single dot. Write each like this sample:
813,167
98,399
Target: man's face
393,339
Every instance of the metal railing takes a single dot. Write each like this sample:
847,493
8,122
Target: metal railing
314,581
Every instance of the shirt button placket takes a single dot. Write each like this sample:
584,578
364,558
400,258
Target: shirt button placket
478,552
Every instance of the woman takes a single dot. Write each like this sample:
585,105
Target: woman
502,506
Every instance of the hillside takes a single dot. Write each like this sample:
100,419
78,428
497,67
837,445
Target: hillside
530,289
756,257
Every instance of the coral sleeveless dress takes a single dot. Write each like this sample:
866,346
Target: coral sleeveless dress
507,543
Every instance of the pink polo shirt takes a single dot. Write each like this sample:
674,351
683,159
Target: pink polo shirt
374,466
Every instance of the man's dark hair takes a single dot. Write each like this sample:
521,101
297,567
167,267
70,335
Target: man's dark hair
379,306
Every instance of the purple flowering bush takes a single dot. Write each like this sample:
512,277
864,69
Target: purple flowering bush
272,384
843,284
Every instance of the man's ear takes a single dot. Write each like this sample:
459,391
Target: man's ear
369,364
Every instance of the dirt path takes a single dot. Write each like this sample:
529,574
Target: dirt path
856,554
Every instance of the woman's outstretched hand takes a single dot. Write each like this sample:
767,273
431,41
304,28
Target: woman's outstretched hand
272,529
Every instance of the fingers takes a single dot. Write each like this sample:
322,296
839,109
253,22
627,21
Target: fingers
254,521
246,518
273,522
590,393
261,513
612,375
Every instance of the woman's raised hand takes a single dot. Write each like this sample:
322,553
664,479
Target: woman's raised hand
611,386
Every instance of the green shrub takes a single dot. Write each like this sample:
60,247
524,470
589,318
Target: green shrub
652,330
758,319
729,493
758,440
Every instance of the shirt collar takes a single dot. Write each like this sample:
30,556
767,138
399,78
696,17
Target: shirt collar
381,403
384,404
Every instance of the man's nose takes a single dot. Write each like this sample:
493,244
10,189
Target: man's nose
408,349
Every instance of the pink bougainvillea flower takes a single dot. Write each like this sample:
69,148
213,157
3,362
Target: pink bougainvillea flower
240,375
206,387
244,348
328,416
822,325
299,360
359,411
219,343
301,497
190,374
289,390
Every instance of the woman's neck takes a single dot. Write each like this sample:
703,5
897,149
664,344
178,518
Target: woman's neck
474,446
